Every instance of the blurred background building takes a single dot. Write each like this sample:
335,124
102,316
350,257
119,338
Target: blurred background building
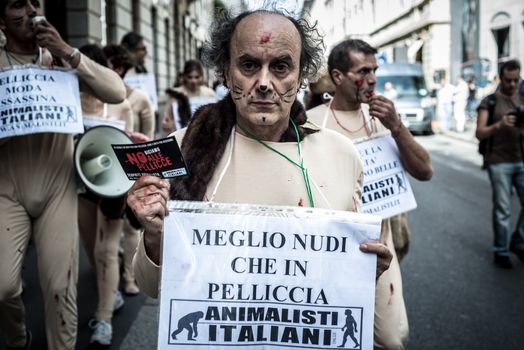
448,38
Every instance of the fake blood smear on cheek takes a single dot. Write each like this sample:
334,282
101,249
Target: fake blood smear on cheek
359,84
264,39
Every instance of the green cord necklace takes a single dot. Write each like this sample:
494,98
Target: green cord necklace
300,165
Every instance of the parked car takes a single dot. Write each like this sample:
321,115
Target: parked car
404,83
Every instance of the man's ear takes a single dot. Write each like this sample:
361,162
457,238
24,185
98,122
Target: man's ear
227,80
337,76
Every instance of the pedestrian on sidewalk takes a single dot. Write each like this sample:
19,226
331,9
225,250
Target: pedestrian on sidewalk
38,195
502,125
460,99
445,104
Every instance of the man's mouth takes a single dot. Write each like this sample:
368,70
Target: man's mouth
262,104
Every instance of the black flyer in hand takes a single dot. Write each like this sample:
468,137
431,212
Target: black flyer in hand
160,158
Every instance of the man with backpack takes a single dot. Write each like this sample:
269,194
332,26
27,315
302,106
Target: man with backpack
500,126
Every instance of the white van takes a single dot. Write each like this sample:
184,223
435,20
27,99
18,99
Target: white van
404,83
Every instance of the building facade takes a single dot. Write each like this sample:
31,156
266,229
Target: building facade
449,38
403,30
501,33
174,30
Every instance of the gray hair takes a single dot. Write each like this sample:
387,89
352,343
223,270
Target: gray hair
216,51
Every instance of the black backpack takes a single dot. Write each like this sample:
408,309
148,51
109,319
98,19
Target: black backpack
485,144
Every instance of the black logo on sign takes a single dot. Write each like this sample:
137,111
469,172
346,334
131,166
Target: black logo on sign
350,328
190,323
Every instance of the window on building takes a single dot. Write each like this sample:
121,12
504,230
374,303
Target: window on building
168,48
502,39
55,13
500,28
177,34
154,40
400,54
135,13
110,12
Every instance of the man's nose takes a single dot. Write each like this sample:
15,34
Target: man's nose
371,78
264,80
31,10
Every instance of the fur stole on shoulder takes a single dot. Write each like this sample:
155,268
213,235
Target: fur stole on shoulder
184,109
206,139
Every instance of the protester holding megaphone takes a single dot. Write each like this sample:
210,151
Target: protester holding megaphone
37,185
101,210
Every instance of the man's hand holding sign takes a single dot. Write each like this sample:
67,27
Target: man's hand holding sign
266,275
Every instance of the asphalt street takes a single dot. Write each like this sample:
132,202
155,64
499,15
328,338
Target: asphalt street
456,298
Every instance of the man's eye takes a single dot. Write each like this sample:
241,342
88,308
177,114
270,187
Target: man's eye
248,66
281,67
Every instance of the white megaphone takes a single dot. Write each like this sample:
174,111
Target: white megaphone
97,164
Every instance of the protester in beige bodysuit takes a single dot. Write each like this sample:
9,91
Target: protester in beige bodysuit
38,189
101,219
356,113
265,57
121,61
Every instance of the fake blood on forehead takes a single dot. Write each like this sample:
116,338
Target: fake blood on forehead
264,39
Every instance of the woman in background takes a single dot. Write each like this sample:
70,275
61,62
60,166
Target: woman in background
194,88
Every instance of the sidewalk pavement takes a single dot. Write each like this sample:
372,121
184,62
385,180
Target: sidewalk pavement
468,135
144,331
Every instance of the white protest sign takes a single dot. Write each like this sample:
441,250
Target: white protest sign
145,82
386,190
37,100
266,277
91,122
199,101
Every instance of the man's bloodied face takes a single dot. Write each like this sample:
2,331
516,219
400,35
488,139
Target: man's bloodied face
358,84
264,72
